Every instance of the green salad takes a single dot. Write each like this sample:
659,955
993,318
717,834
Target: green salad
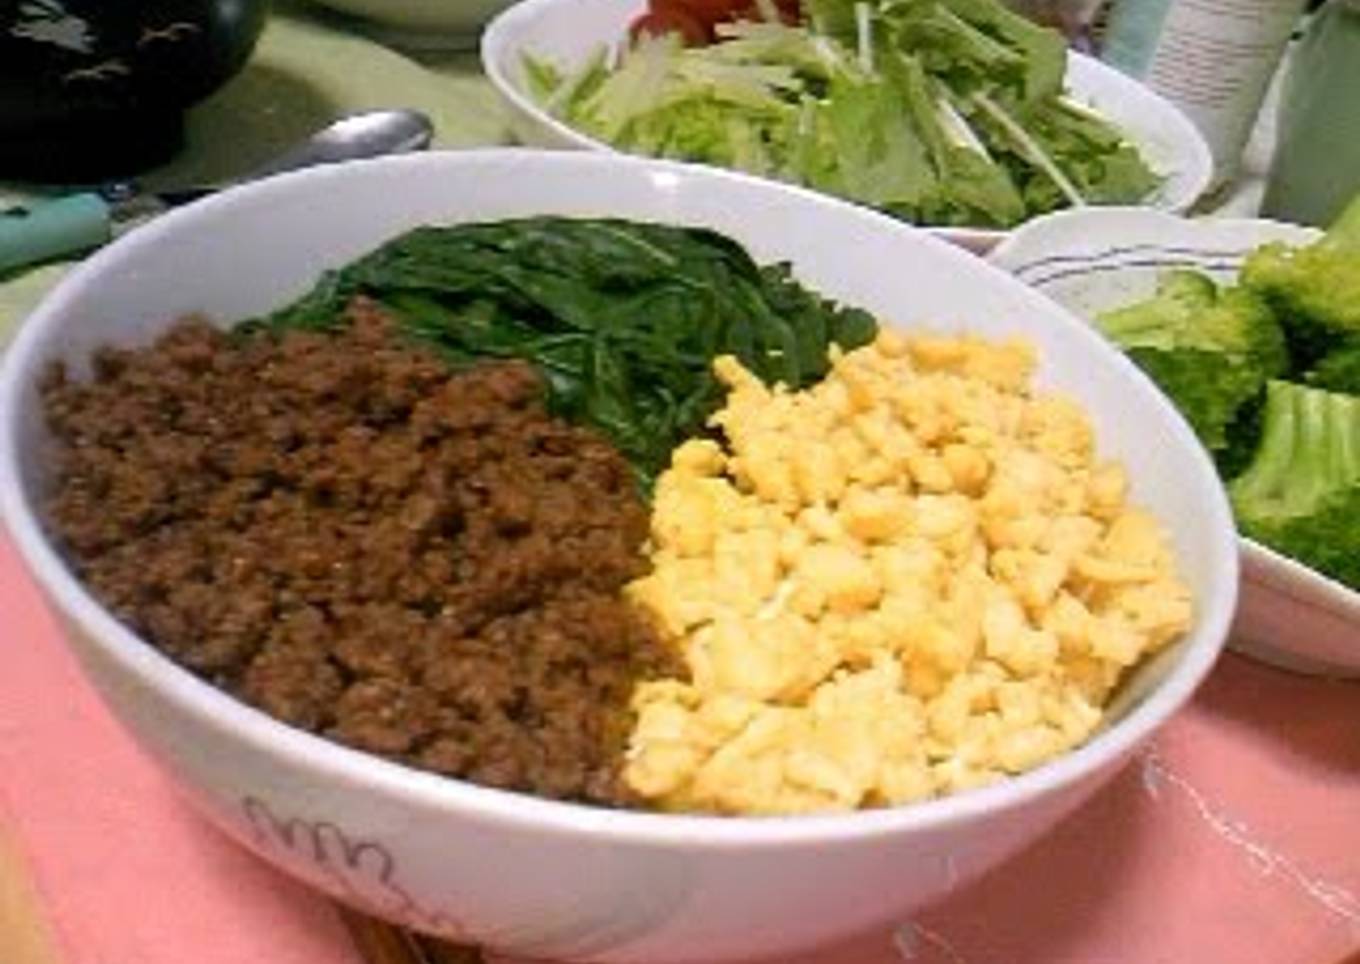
941,112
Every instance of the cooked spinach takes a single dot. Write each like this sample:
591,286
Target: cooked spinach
624,318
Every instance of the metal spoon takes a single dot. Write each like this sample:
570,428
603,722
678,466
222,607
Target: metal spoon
73,224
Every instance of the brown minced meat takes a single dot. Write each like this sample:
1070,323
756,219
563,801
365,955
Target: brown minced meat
346,534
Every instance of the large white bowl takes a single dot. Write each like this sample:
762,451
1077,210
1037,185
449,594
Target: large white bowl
570,31
1094,260
534,876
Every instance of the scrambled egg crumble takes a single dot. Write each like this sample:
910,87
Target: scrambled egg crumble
912,578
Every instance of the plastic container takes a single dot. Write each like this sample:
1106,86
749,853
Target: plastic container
1317,156
1213,59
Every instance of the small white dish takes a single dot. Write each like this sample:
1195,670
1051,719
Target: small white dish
1096,259
570,31
537,877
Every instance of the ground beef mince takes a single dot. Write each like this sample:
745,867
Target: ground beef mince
346,534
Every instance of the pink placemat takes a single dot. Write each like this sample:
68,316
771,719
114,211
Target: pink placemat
1235,838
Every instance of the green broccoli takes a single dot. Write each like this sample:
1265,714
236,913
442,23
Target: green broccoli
1206,390
1210,350
1339,370
1301,493
1190,311
1315,289
1161,321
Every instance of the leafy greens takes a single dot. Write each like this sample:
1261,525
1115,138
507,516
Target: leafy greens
623,318
946,112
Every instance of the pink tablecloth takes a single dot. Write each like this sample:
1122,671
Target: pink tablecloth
1235,838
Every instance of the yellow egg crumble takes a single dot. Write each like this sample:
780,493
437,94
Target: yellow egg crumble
912,578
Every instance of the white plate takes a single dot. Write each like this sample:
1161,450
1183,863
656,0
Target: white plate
1093,260
570,31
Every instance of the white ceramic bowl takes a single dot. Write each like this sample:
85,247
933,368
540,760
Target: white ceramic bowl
422,24
1094,260
570,31
534,876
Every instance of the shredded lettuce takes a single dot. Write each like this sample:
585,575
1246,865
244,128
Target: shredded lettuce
946,112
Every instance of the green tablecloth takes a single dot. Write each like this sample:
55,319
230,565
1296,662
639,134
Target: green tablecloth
308,69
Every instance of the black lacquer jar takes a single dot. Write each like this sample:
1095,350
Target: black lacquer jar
93,89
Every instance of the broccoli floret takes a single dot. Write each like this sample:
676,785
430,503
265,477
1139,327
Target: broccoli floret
1339,370
1243,438
1190,311
1314,289
1193,288
1206,390
1247,317
1326,540
1301,493
1163,320
1210,350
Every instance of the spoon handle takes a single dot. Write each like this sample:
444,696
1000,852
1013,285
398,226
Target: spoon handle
51,229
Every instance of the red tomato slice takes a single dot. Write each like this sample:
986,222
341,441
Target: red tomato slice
694,20
710,11
668,19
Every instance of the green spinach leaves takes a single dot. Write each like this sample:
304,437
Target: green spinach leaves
624,318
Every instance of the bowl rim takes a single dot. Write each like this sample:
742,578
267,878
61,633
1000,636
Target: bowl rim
324,759
1300,582
501,38
1009,254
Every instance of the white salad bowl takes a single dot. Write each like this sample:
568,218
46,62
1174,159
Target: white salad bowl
533,876
1094,260
568,32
